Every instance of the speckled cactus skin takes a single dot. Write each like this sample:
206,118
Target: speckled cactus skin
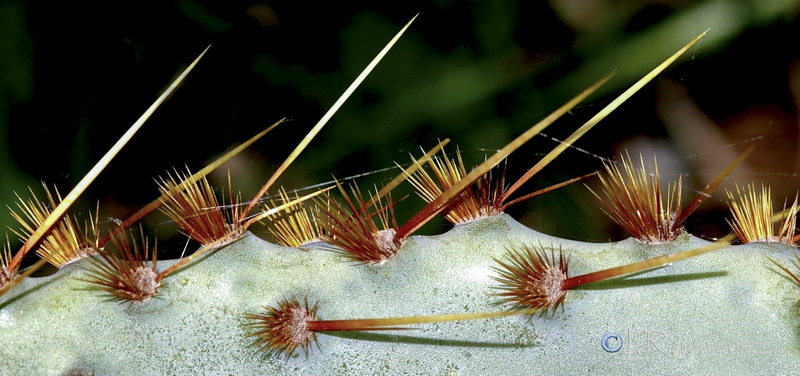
724,312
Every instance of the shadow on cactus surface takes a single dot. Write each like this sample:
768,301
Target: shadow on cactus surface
487,295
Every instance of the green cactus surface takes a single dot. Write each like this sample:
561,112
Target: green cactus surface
724,312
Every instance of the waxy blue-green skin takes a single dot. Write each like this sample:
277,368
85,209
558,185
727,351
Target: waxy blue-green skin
725,312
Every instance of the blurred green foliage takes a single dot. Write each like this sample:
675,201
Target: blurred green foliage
74,76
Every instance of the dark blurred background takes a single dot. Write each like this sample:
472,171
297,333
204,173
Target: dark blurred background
74,77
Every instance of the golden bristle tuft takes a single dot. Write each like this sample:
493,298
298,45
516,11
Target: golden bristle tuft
752,216
532,279
193,205
487,196
635,201
6,275
284,329
353,229
490,192
297,225
480,200
125,270
67,241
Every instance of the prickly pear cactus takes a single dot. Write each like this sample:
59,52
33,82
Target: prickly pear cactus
250,307
722,312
